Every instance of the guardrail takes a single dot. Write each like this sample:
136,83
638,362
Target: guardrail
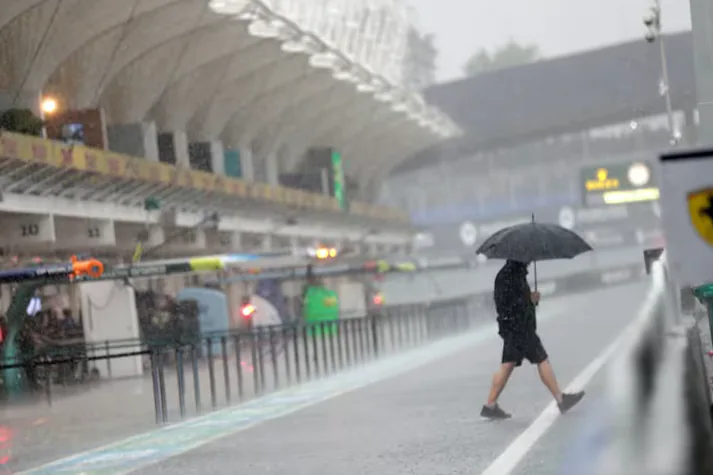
99,162
657,416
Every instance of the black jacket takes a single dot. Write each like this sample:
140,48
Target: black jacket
516,312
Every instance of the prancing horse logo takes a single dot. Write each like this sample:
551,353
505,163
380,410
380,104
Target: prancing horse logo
700,210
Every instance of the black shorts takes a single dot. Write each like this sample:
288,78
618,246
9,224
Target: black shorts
517,348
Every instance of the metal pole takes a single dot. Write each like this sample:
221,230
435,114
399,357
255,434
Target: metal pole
655,29
702,22
667,88
652,21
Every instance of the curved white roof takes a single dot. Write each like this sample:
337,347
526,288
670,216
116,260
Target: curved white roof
282,75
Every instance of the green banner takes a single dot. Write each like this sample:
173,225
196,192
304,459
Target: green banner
321,305
339,185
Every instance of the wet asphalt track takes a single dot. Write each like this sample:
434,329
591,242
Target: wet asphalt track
425,422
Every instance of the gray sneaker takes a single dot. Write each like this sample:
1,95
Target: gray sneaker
494,413
569,400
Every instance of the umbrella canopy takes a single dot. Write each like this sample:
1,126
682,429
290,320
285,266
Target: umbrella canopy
529,242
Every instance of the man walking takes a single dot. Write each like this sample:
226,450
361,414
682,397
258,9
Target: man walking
517,325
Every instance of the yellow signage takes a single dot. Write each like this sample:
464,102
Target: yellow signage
405,266
100,162
382,266
700,210
631,196
602,182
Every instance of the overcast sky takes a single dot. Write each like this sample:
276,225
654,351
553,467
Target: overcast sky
558,27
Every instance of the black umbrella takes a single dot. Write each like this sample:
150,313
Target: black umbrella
531,242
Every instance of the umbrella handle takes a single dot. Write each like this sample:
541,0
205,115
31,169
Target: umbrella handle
534,263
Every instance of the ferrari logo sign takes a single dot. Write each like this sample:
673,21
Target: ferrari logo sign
700,209
686,177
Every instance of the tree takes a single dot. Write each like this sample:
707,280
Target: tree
508,55
21,121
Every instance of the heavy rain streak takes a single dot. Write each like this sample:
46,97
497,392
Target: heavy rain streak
356,236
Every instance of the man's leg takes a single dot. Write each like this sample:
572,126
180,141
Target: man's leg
538,355
511,357
547,375
500,379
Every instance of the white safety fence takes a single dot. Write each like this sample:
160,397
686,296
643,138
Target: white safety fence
658,412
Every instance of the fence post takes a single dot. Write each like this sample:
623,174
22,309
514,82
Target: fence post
226,370
160,357
239,366
211,372
374,318
108,359
181,381
157,399
196,377
271,334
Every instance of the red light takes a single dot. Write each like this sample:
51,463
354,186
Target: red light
5,441
247,310
370,265
5,434
378,299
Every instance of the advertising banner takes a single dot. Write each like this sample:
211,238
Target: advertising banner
602,226
617,184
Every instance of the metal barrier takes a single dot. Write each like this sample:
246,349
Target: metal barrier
267,359
218,369
658,417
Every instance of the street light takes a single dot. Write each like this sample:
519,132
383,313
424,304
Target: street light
49,105
652,22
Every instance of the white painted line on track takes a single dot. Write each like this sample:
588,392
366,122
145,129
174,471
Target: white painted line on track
519,448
